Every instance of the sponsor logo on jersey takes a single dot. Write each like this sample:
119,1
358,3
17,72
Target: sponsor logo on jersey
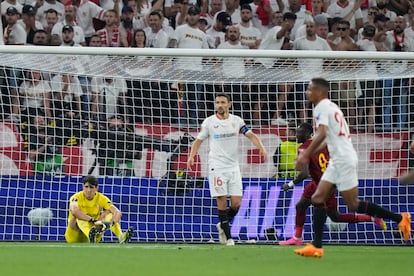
223,135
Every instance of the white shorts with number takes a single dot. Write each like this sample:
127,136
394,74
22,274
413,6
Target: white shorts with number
225,182
343,174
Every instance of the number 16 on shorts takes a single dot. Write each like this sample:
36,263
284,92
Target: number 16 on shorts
218,184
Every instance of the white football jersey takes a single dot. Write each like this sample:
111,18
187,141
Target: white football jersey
223,138
338,137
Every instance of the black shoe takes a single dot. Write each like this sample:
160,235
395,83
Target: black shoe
92,234
127,235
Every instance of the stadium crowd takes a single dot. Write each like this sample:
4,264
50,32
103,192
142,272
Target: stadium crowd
342,25
327,25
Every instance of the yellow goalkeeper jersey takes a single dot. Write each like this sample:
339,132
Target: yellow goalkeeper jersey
92,208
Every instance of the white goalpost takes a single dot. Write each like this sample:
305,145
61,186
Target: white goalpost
130,115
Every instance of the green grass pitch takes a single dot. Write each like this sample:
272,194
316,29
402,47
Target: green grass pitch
44,258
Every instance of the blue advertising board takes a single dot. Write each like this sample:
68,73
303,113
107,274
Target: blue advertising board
188,217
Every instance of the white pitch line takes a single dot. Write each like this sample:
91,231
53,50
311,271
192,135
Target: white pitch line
103,245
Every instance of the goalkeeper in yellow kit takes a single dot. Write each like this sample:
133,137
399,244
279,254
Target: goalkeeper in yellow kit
91,213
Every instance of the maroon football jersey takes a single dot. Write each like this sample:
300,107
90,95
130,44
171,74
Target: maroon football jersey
317,162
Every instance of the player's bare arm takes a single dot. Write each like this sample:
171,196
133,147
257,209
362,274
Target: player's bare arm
317,141
77,212
258,143
115,213
321,147
302,176
194,149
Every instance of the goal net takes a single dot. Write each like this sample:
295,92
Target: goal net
129,117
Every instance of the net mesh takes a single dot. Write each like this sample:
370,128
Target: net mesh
161,100
258,70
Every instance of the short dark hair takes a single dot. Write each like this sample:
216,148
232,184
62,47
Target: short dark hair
96,35
40,31
224,95
51,11
307,128
289,16
304,132
246,7
92,180
344,22
321,83
156,13
333,21
381,17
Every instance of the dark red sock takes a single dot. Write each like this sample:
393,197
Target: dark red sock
300,222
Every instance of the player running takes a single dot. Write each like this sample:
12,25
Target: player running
341,172
91,214
317,165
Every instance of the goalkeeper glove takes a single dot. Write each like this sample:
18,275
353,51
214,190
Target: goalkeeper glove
104,224
92,220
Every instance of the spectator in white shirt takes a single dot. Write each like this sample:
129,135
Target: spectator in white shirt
86,12
249,35
70,19
156,36
216,34
302,16
232,8
43,6
51,19
349,11
29,22
308,67
14,34
233,67
215,7
189,36
11,3
369,87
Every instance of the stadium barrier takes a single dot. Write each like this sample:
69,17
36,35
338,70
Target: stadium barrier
188,217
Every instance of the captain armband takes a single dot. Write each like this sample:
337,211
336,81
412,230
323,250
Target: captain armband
244,129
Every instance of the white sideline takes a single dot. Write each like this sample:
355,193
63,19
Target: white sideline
106,245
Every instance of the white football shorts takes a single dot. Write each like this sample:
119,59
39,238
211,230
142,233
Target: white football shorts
225,182
343,174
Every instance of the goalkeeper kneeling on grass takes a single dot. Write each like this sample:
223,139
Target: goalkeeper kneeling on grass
91,213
